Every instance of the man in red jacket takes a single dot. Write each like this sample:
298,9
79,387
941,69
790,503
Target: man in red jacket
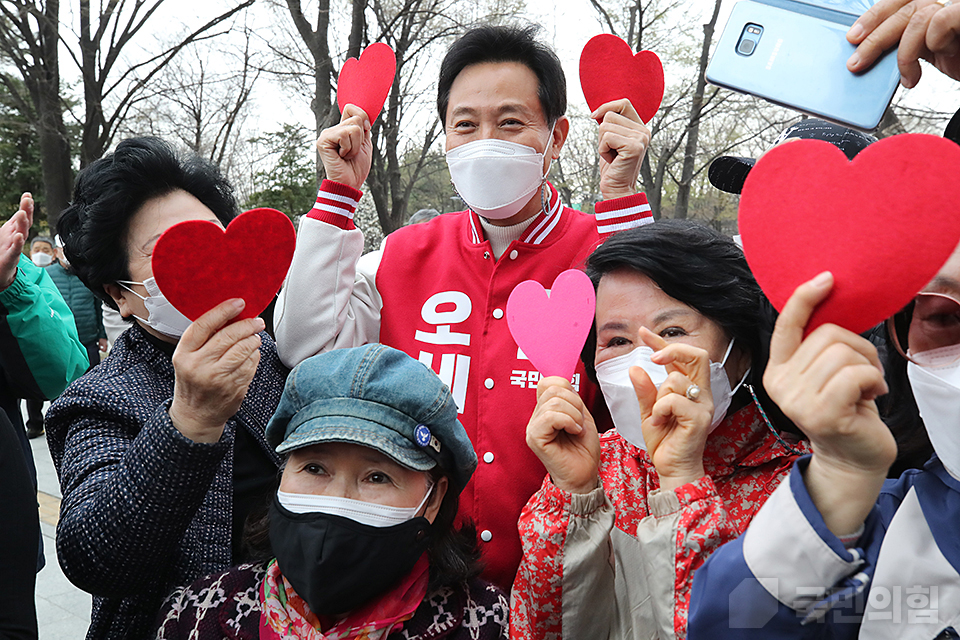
438,290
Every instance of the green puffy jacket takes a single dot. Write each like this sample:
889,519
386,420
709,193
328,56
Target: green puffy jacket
40,353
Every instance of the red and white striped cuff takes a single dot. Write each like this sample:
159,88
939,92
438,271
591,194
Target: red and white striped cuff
622,213
336,203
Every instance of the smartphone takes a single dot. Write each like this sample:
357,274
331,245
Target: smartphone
794,54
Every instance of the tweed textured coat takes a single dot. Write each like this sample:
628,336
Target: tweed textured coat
144,508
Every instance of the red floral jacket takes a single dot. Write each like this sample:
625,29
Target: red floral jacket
619,562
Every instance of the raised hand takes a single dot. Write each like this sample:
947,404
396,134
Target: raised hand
923,29
623,143
675,427
13,235
564,436
346,149
826,383
214,364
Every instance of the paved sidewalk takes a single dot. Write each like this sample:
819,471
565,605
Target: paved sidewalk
63,611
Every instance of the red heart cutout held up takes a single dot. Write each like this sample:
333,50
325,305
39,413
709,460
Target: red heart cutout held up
609,70
551,330
366,82
249,260
884,223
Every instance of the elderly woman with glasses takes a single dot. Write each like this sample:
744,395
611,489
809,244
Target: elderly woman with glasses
840,551
159,449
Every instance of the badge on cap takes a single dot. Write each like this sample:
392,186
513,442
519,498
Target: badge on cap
426,439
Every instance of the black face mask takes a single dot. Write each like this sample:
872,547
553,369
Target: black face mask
337,564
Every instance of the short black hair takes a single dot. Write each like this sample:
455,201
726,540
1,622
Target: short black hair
110,190
506,44
703,269
898,408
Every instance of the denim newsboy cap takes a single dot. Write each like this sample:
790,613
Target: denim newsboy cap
378,397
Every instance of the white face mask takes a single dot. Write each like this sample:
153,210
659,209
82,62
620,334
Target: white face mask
720,388
161,315
496,178
618,393
368,513
621,398
42,259
937,392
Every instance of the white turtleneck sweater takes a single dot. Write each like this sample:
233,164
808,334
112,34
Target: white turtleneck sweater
501,237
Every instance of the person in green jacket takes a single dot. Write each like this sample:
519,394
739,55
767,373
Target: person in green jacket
40,353
86,315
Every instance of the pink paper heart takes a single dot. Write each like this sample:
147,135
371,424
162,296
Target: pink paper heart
609,70
551,330
366,82
252,259
884,223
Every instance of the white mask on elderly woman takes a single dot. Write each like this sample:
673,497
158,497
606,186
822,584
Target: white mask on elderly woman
618,393
161,315
368,513
936,388
621,398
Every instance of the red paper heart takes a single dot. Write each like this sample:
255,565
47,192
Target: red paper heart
551,330
884,223
198,265
609,70
366,82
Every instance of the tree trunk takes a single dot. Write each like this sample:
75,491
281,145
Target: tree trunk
54,146
93,121
55,162
693,128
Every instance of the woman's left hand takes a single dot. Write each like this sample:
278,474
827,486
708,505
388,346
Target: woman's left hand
675,427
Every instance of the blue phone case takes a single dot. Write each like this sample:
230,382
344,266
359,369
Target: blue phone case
798,57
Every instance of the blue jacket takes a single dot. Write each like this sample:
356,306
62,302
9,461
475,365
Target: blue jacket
788,576
144,508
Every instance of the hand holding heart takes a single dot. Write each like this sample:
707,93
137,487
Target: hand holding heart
346,149
675,428
564,436
624,90
826,384
214,364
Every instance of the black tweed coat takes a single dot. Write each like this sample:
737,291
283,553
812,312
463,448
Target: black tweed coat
144,508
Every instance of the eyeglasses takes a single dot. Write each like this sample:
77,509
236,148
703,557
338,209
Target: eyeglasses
926,328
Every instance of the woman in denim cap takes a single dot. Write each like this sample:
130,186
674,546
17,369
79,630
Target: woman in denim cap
361,530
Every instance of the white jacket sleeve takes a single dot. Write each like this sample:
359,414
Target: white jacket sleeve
329,299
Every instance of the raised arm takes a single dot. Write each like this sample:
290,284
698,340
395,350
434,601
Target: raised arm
329,299
826,383
39,347
813,545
